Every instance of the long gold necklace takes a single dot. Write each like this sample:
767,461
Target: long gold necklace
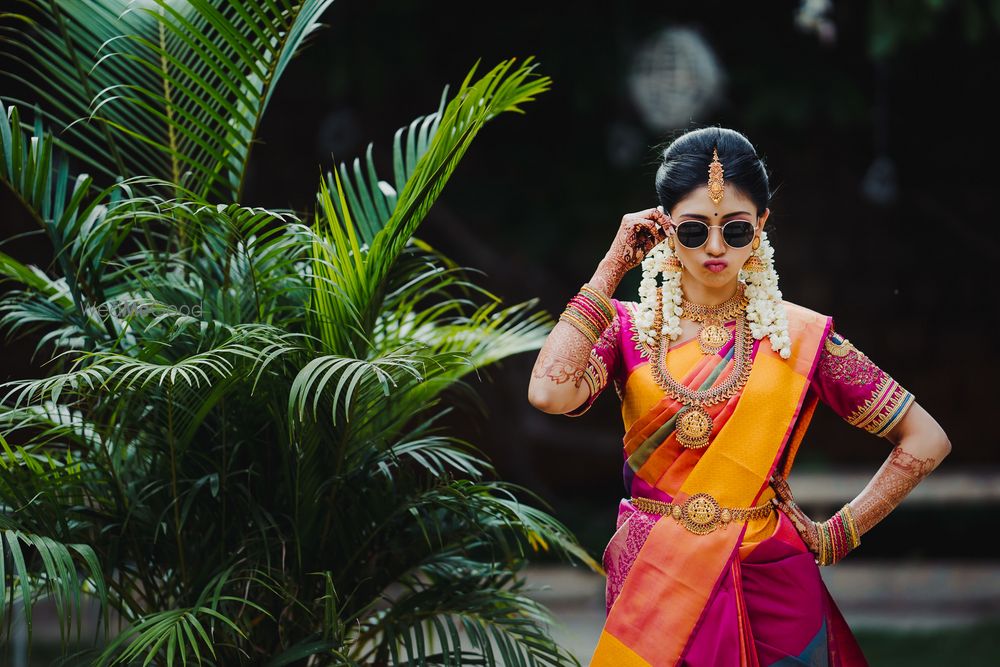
713,334
693,423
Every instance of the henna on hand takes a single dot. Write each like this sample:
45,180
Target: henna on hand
638,234
894,480
806,527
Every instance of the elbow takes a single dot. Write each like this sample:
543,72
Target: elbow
540,400
945,446
546,402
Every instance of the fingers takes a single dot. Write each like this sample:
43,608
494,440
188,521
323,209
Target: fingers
805,526
781,488
644,230
648,214
659,233
656,215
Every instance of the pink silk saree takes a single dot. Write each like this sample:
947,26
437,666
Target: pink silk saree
748,594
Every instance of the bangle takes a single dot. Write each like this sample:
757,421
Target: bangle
852,526
600,298
589,311
822,555
838,536
596,374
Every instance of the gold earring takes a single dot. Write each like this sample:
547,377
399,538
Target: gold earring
671,263
754,263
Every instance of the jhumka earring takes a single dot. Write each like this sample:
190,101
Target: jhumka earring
754,263
671,264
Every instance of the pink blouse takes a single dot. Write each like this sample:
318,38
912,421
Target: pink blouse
845,379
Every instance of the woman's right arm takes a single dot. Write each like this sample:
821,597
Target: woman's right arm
556,384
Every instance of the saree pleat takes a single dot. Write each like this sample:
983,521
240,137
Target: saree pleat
748,593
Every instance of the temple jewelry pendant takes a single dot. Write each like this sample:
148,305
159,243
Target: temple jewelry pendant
713,336
693,426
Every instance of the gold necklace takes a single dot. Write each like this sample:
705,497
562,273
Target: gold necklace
713,334
693,423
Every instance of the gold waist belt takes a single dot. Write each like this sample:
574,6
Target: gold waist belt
701,513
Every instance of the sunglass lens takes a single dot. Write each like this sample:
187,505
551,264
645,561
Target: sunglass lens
739,233
692,234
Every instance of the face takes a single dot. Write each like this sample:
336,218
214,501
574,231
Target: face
699,206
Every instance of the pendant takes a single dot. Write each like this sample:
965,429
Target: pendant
712,337
693,426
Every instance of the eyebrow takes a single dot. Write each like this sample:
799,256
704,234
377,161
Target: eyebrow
705,217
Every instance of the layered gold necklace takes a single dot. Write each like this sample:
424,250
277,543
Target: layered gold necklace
713,334
693,424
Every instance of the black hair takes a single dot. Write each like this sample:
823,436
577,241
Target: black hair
684,166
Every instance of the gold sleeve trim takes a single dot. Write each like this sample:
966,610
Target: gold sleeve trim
884,409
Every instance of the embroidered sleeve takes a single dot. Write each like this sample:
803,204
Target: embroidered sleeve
860,392
603,364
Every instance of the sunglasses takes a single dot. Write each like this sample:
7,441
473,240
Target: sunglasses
693,234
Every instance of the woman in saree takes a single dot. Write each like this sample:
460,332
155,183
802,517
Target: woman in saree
712,563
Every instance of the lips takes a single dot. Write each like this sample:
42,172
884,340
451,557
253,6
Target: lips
710,263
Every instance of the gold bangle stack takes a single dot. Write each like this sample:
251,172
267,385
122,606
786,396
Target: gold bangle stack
589,311
701,513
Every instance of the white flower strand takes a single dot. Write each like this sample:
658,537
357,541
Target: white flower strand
766,315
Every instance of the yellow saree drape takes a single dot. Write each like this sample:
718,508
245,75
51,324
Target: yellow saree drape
676,571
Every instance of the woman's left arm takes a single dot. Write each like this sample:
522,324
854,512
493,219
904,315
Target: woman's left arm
920,446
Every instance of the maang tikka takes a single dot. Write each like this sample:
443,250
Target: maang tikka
716,187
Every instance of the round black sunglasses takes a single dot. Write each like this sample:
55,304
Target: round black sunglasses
693,234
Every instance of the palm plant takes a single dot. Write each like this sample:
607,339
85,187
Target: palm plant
236,450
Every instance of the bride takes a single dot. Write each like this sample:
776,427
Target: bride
712,562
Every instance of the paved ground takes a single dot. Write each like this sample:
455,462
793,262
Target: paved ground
909,597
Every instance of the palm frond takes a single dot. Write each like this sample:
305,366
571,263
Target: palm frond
177,632
57,573
351,271
503,625
178,90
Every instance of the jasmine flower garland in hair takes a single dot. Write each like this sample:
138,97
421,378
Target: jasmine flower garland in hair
765,314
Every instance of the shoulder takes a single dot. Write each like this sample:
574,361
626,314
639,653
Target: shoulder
802,312
626,312
801,317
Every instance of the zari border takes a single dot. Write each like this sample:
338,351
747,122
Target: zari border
884,408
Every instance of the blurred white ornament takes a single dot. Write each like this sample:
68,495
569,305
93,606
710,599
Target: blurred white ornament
675,77
811,16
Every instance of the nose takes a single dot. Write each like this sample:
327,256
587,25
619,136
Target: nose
715,245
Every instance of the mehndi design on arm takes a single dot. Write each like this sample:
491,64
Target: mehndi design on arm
568,358
895,479
611,270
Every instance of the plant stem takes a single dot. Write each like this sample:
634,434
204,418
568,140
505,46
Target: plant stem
173,482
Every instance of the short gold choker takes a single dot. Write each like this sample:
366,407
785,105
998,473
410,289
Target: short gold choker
713,334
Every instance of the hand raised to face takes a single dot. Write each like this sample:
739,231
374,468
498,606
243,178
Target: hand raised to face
639,233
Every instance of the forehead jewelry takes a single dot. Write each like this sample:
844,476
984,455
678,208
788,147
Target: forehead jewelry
715,184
